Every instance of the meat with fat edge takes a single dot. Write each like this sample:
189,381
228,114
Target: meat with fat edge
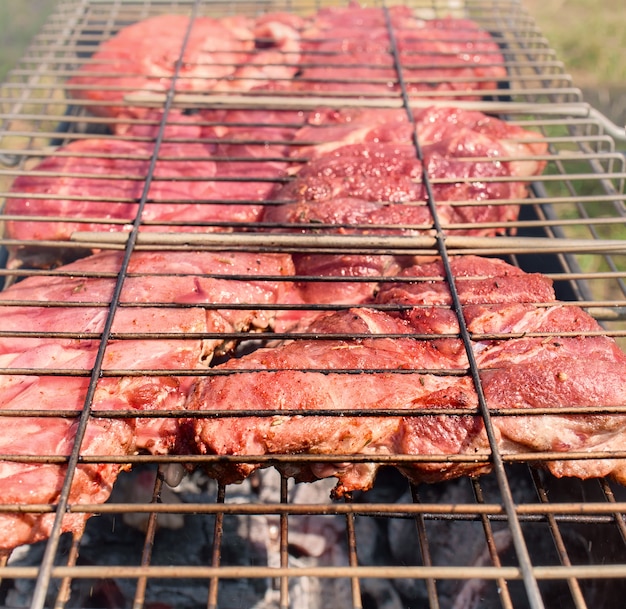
375,185
454,131
451,57
232,53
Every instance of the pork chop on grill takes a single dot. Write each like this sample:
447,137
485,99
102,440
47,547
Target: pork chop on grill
249,133
232,53
40,482
173,315
412,360
377,187
305,375
95,185
455,131
327,52
447,130
438,55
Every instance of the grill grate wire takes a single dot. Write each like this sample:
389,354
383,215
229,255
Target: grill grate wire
532,588
45,573
538,80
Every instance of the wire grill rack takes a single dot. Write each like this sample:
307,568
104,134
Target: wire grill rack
514,538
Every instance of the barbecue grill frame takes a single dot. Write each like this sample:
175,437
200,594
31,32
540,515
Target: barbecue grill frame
540,95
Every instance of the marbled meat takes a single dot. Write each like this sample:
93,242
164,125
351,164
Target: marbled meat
450,57
325,52
364,176
458,132
232,53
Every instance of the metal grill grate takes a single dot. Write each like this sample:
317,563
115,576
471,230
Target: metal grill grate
517,537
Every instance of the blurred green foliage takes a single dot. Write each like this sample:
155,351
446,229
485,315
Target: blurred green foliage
589,36
20,20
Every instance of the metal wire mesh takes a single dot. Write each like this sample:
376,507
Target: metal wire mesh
517,537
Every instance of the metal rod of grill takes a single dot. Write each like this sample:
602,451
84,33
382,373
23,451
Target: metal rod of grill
531,586
581,151
45,572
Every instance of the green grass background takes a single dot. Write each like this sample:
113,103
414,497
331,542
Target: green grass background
19,22
588,35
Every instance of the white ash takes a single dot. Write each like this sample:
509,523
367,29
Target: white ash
313,541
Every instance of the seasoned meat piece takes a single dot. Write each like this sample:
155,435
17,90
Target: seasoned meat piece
331,128
134,61
437,55
389,173
478,281
383,173
300,376
447,130
441,132
170,298
100,181
377,188
233,53
363,176
154,278
497,138
508,314
40,483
